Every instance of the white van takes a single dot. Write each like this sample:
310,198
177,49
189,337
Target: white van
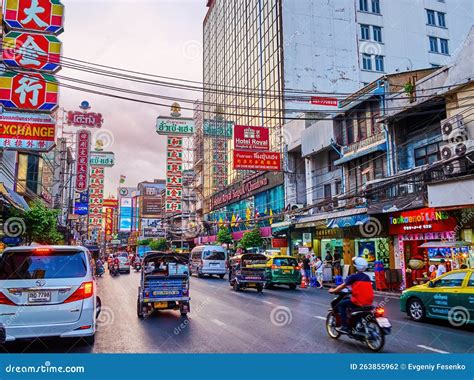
209,259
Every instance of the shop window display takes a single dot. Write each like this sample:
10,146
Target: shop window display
373,250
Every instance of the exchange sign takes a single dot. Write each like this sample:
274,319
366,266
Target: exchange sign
247,160
44,16
174,126
102,159
32,91
32,51
27,131
82,163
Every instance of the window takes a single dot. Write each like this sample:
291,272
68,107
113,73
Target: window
379,63
361,126
378,168
364,32
433,45
427,154
350,131
364,5
444,46
376,6
366,62
338,188
377,33
327,191
441,20
332,156
431,17
450,280
471,281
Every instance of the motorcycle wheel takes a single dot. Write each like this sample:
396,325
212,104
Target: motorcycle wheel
331,326
140,310
236,286
376,339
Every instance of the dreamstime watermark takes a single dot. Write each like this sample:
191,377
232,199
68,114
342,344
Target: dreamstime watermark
281,316
192,50
47,367
103,139
371,227
14,227
106,316
458,316
183,325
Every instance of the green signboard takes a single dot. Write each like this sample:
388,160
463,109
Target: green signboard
217,128
174,126
102,159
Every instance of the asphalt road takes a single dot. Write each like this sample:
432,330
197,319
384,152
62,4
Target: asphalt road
224,321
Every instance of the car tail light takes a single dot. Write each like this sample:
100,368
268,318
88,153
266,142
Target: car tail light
4,300
84,291
42,251
274,266
127,264
297,267
379,312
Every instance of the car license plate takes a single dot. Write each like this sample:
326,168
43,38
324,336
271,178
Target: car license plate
383,322
215,265
160,305
37,297
253,284
286,271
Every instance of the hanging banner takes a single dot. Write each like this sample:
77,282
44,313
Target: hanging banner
251,138
32,51
44,16
28,91
84,119
324,101
27,131
82,161
247,160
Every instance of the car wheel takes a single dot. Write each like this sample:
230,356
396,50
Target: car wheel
140,310
89,340
268,285
416,310
292,286
221,276
259,288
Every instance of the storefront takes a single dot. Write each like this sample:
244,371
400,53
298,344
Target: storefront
412,230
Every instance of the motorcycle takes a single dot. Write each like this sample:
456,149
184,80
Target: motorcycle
367,324
137,266
99,271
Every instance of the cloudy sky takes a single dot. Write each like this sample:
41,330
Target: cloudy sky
160,37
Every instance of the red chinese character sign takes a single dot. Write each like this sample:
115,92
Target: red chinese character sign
28,91
247,160
32,51
44,16
174,175
82,163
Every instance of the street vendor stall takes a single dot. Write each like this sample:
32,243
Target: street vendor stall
455,253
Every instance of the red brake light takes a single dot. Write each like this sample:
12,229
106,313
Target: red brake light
379,312
84,291
274,266
297,267
42,250
4,300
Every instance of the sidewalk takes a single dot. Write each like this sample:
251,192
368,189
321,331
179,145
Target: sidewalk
393,294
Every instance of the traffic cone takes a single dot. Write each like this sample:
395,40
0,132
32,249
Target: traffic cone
303,283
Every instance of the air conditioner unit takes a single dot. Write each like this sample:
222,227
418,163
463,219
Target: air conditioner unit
406,188
453,129
295,206
453,167
459,149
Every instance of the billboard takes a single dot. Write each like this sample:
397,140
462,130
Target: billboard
251,138
214,128
250,160
84,119
31,51
27,131
28,91
102,159
152,207
125,218
174,126
44,16
82,160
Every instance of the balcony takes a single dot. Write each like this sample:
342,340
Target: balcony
374,143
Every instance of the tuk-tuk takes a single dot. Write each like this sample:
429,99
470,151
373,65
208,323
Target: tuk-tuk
247,271
164,283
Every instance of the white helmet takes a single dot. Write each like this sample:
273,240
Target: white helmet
360,263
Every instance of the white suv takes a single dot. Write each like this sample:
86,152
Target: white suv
47,291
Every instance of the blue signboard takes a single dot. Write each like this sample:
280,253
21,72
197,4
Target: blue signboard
81,208
11,241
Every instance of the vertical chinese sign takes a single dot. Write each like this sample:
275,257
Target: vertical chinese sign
31,53
96,198
82,160
110,207
174,174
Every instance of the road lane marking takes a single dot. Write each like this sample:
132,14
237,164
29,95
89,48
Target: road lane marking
432,349
217,322
268,302
319,317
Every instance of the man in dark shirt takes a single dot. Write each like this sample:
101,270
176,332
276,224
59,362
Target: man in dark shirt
362,291
307,269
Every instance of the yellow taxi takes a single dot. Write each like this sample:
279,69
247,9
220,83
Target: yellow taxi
449,297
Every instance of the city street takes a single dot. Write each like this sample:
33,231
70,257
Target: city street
224,321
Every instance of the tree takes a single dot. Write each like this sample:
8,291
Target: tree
144,242
159,245
251,239
40,224
224,236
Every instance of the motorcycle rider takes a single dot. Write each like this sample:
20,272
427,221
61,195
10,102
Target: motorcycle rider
116,263
362,291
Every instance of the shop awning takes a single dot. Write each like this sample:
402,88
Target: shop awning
445,244
13,198
347,221
361,153
310,221
281,227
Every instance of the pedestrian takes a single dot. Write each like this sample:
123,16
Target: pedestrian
307,269
433,271
319,271
441,268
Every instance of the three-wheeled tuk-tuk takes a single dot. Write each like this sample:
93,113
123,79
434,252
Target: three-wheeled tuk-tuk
247,271
164,283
